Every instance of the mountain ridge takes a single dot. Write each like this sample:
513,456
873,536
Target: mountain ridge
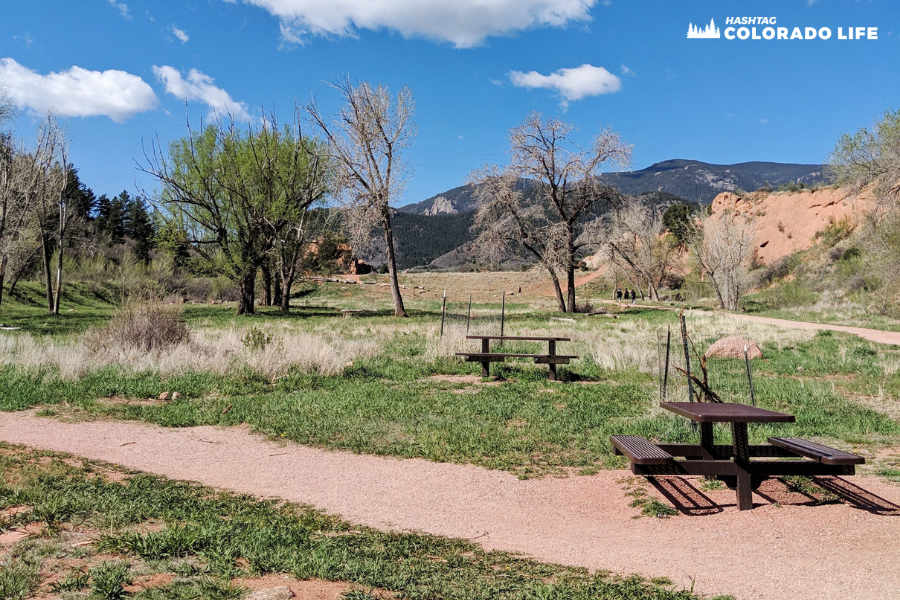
692,180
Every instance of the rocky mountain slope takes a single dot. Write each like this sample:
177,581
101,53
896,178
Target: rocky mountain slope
690,179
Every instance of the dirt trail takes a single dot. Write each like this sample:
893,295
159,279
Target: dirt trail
783,550
874,335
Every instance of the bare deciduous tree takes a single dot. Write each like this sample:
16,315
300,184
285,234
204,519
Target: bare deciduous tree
724,245
539,202
638,246
366,141
32,195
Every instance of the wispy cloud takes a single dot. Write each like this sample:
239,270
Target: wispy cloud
199,87
463,23
181,34
627,71
78,92
122,8
571,84
26,39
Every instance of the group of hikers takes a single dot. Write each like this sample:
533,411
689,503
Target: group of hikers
625,294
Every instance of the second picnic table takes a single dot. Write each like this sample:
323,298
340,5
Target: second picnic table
486,357
732,463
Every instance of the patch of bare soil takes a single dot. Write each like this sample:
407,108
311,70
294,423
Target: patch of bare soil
835,543
468,379
312,589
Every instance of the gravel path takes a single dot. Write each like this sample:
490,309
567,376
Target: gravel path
784,550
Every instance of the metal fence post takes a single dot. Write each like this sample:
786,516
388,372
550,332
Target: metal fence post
469,315
443,312
503,314
687,358
665,387
749,376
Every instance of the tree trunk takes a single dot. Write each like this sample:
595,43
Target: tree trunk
399,310
276,289
558,289
59,267
48,283
2,276
267,284
570,277
286,283
247,285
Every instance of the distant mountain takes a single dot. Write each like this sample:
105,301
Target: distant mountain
690,179
420,239
702,182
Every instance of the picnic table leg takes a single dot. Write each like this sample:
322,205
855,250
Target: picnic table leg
706,441
741,446
552,365
485,366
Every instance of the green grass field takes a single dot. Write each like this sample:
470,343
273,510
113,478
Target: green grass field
393,386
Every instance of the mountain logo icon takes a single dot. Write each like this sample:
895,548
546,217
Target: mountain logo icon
711,31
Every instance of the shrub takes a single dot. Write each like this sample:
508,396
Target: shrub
140,325
256,339
836,232
198,289
108,581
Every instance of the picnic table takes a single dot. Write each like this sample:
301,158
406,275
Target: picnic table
733,464
486,357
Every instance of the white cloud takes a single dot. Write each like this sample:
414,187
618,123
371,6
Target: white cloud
463,23
200,87
627,71
78,92
571,84
122,8
181,34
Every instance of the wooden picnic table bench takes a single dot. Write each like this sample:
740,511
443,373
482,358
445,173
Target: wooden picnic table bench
486,357
732,463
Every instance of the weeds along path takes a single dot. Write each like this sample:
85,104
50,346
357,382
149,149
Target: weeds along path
779,550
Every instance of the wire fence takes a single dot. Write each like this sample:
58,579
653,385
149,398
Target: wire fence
718,365
460,318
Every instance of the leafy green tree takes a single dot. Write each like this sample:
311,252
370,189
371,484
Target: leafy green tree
870,157
678,219
138,226
234,193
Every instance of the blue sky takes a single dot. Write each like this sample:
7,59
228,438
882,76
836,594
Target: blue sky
119,71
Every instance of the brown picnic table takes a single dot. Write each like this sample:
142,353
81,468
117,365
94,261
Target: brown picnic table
737,464
486,357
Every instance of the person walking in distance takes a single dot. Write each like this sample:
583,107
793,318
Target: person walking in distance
633,296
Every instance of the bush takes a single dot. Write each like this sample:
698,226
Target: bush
836,232
140,325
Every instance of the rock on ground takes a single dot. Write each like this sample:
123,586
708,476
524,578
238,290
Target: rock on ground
733,347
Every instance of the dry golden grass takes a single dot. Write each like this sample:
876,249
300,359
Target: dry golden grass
215,351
